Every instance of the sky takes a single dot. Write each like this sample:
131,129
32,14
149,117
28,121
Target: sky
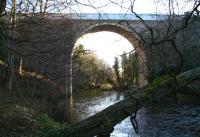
107,45
106,6
123,6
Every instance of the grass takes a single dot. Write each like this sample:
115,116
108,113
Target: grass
106,87
24,116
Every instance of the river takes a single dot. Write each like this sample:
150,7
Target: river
154,121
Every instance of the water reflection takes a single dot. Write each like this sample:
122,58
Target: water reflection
85,104
71,115
154,121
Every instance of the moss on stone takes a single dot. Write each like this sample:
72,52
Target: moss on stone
148,93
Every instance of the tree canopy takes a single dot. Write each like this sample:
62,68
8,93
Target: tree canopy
89,70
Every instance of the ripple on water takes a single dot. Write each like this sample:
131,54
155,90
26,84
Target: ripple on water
171,121
154,121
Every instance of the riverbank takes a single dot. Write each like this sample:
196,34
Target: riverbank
159,91
22,116
25,115
30,113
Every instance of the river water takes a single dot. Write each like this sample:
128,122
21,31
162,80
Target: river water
154,121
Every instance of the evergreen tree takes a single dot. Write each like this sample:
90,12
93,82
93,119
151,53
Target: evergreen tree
124,66
129,70
116,70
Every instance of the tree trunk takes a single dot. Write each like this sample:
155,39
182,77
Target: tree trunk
102,123
2,6
11,72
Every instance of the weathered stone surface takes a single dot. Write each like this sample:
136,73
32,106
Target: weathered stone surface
46,45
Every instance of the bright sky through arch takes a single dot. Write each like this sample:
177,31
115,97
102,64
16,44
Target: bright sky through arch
107,45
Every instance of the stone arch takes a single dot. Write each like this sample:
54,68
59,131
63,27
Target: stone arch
131,37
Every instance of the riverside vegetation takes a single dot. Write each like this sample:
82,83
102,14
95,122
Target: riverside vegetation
39,112
33,106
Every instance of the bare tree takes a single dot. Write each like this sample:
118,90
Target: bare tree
2,6
165,34
26,26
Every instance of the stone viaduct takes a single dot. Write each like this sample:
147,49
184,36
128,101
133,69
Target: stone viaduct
45,44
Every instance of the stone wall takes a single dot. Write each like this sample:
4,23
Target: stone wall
164,55
45,47
45,44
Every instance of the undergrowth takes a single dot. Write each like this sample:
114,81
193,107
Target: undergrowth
24,116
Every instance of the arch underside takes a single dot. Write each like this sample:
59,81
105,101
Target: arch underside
131,37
